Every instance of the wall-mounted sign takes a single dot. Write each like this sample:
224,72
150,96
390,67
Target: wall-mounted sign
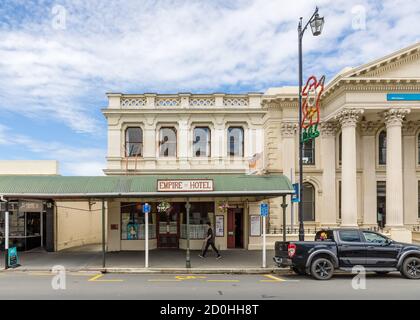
31,206
264,209
403,97
195,185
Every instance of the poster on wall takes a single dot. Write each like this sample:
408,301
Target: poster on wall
132,231
220,226
255,226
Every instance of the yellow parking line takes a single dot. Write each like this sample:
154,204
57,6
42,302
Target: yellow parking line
98,276
272,279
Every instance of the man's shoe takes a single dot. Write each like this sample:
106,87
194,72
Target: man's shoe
219,257
201,256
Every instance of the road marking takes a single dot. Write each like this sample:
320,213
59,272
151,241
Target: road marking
272,278
222,280
189,277
164,280
99,276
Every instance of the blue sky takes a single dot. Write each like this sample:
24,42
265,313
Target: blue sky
59,58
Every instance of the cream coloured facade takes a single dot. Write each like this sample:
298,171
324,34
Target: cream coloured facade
363,171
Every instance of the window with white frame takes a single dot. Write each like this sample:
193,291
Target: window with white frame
235,141
167,142
134,142
201,142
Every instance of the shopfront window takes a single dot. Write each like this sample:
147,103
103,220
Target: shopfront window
201,213
134,142
235,142
133,222
201,142
167,142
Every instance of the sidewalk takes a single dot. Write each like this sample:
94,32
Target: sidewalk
160,261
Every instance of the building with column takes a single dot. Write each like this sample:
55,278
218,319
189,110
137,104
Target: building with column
223,154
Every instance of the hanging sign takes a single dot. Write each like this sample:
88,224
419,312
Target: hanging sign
295,196
311,95
264,210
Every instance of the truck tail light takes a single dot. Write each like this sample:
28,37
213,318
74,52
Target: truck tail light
291,250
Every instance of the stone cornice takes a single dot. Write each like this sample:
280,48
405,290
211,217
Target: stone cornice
329,129
288,129
369,128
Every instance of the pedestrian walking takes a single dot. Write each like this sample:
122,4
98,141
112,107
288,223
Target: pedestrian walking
209,241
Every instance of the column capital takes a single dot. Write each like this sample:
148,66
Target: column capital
288,129
369,128
329,129
395,117
349,117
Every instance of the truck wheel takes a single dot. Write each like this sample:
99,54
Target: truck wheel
411,268
322,269
298,271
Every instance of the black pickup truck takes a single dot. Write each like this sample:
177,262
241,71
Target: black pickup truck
345,248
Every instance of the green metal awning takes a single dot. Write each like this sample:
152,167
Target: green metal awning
18,186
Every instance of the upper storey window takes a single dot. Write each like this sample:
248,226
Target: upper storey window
309,152
167,142
235,142
201,142
134,142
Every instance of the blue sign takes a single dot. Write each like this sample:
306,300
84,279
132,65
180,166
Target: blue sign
264,209
295,196
403,96
146,208
13,260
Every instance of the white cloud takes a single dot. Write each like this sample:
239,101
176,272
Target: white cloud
73,160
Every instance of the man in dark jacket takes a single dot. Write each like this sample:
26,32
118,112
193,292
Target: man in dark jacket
209,241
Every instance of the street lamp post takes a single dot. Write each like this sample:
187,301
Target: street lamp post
317,23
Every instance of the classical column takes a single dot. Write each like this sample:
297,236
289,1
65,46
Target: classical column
348,119
368,130
329,205
394,169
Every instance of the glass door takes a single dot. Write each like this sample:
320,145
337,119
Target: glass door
168,227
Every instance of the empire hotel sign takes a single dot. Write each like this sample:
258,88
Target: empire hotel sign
194,185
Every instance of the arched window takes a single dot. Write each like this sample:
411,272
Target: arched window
167,142
134,142
309,152
308,202
201,142
382,147
235,141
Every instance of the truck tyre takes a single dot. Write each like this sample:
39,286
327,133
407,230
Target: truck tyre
411,268
298,271
322,269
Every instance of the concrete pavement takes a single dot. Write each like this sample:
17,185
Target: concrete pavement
89,258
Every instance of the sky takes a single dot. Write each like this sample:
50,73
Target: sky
58,59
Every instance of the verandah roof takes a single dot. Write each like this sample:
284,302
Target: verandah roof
139,186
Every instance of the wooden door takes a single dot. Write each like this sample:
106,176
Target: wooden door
231,229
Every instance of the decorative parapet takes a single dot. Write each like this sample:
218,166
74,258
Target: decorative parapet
184,100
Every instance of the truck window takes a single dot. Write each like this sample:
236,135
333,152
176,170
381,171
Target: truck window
324,235
372,237
349,235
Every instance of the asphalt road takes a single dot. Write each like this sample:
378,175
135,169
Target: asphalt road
30,285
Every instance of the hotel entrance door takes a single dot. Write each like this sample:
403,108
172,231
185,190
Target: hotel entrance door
168,228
